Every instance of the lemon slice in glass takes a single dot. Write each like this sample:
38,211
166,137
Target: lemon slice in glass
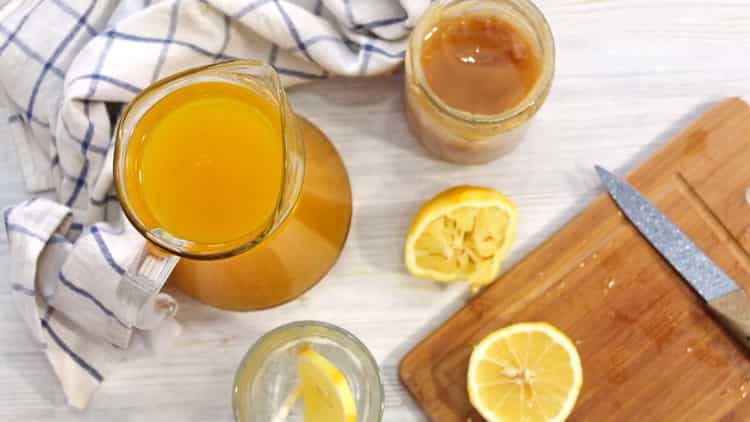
528,372
462,234
326,395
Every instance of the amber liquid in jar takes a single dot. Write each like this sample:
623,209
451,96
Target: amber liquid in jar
479,64
476,72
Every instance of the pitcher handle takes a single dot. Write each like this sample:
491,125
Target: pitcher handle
142,282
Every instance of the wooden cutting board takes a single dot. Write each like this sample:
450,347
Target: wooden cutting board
649,349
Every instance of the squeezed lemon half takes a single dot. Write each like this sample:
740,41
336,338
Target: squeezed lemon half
462,234
326,395
528,372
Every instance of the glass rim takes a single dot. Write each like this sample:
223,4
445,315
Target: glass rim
216,252
533,14
364,351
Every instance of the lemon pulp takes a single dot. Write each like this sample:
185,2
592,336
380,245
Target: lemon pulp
462,234
528,372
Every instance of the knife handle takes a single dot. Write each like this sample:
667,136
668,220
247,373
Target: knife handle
734,310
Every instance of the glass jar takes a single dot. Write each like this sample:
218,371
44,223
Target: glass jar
265,385
459,136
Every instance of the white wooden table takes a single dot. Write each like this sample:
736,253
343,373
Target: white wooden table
629,74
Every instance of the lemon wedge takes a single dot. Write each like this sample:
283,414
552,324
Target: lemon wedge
528,372
462,234
326,395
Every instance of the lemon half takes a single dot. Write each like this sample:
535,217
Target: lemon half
462,234
528,372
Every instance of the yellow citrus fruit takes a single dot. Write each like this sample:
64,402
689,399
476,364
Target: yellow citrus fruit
462,234
326,395
528,372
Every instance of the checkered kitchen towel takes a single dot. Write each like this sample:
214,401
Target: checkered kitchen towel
66,69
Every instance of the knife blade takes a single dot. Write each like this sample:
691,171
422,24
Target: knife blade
724,297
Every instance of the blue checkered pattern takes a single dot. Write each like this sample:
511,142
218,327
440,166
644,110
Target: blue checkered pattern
67,67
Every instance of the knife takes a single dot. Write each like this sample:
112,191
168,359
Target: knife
728,302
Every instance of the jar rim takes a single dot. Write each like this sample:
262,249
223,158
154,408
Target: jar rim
542,30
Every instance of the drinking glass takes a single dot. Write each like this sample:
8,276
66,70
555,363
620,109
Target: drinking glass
267,376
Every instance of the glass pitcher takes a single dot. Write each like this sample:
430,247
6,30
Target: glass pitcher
295,247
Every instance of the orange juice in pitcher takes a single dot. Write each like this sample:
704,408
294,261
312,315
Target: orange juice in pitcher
206,163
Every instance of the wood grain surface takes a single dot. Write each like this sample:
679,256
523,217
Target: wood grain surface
629,74
650,348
